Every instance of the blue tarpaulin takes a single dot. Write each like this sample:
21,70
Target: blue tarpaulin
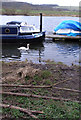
69,24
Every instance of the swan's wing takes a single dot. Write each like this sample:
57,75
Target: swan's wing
18,48
21,48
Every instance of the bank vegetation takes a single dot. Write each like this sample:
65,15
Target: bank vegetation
22,8
35,91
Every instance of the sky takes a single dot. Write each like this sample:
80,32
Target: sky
59,2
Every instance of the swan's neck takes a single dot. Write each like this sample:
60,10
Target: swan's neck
28,46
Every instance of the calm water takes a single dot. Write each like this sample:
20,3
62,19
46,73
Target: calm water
59,51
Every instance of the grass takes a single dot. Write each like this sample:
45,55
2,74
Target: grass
48,75
52,62
38,78
63,13
37,12
48,82
52,109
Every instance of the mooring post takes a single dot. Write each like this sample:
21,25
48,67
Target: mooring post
40,22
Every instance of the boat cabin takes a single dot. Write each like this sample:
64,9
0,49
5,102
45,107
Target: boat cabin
18,28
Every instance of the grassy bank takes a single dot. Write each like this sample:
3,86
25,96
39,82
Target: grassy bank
55,13
24,8
49,74
36,12
52,109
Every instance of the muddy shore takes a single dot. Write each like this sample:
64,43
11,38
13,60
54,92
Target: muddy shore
24,73
16,72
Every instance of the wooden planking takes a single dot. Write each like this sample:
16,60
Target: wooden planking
62,37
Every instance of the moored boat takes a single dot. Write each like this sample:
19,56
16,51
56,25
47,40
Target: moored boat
20,32
68,28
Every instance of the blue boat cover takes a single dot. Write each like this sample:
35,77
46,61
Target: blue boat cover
70,24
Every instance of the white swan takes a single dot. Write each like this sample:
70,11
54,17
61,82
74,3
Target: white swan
24,48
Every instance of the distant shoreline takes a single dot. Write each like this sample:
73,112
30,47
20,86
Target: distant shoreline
43,15
24,8
37,12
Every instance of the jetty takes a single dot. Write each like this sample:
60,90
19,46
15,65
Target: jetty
62,37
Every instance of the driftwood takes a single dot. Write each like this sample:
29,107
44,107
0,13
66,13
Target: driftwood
38,86
59,88
16,89
29,112
59,82
21,109
25,86
35,96
67,89
32,86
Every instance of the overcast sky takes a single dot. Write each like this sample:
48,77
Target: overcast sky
59,2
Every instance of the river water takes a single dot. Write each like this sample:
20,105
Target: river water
59,51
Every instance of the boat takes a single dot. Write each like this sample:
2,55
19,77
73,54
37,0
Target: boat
20,32
68,28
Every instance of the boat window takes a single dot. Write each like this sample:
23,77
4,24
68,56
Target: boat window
31,28
26,28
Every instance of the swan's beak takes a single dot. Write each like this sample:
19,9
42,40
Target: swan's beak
27,44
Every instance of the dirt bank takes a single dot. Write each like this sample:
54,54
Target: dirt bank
59,76
25,73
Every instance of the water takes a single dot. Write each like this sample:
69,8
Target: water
59,51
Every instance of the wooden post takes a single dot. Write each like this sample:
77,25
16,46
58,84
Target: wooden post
40,22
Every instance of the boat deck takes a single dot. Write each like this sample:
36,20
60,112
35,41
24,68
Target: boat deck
62,37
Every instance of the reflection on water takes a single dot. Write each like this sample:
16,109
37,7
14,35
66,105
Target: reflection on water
59,51
67,49
10,52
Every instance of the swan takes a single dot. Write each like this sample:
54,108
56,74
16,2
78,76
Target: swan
24,48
